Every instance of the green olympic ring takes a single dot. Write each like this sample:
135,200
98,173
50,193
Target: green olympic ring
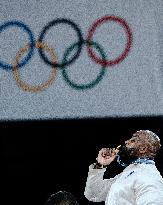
100,75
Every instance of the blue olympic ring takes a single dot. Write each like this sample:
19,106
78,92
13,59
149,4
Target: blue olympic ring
31,39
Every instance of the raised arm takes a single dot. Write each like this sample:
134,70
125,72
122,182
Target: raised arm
97,188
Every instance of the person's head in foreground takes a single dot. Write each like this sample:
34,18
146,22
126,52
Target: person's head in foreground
61,198
144,144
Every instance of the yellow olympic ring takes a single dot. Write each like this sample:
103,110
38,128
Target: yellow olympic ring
30,88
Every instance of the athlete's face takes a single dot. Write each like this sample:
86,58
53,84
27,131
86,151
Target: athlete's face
133,144
133,148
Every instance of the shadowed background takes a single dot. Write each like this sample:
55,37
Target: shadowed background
40,158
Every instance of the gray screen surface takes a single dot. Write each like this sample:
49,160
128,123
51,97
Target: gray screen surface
126,38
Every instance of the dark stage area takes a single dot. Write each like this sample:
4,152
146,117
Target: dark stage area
42,157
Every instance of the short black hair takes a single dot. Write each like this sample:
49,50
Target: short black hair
62,198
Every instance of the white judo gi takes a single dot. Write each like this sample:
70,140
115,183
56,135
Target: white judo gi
138,184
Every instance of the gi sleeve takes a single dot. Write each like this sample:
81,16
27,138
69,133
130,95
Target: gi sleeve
148,191
97,188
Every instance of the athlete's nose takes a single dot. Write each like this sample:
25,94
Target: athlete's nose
126,142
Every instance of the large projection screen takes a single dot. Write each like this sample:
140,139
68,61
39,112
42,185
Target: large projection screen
80,58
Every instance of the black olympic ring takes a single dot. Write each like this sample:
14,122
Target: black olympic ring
80,40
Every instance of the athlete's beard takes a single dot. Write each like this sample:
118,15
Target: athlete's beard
127,155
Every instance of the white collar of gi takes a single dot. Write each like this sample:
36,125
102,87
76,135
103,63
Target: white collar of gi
145,160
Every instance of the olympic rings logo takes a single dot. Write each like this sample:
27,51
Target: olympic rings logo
42,46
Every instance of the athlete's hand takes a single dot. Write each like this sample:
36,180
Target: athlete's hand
106,156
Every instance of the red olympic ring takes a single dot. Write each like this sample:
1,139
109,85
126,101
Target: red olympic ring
123,55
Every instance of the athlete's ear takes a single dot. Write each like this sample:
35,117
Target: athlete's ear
142,149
